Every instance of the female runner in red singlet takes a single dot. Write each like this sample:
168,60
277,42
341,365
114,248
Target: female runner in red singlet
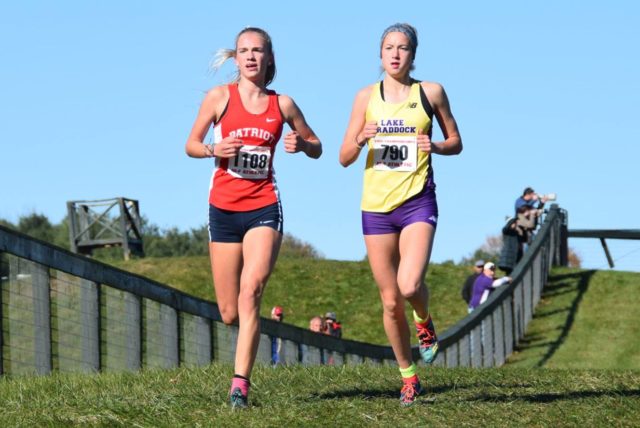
245,215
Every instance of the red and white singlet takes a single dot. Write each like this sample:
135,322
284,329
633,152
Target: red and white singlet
247,182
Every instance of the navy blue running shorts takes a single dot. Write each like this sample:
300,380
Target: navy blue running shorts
231,226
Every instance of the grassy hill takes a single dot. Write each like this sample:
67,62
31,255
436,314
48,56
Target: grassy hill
325,396
585,320
308,287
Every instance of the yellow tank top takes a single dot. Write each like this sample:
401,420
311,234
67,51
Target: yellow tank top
396,170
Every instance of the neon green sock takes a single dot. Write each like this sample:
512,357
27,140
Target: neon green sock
409,371
419,320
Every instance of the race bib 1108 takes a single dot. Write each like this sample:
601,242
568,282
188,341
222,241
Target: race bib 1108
252,162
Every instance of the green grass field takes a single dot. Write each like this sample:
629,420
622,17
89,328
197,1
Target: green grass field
325,396
578,364
585,320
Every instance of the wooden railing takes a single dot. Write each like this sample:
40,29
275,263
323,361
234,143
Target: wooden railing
64,312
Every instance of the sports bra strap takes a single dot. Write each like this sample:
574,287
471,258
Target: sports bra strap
426,105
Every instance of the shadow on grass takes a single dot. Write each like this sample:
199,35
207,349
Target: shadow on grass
368,394
365,394
530,339
551,313
561,284
552,397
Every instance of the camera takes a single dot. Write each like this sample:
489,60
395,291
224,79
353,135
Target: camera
548,196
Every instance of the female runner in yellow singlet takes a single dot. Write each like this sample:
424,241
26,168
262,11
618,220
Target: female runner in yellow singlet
393,118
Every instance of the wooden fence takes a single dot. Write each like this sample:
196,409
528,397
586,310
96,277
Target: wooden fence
63,312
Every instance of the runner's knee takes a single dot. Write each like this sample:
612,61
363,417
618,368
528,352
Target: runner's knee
409,288
228,313
392,307
251,290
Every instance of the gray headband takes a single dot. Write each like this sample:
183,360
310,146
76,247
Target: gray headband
405,29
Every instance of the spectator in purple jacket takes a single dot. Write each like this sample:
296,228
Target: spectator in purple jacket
484,284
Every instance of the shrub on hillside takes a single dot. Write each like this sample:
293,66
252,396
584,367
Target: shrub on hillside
575,260
490,250
173,242
39,226
294,247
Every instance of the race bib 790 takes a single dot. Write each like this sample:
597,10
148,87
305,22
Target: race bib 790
395,153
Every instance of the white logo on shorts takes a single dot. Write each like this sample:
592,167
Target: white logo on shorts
433,219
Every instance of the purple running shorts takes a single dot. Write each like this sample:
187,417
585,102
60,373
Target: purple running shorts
421,208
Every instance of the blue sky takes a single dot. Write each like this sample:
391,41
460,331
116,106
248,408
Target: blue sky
97,99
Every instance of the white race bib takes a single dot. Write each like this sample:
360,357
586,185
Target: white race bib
395,153
252,163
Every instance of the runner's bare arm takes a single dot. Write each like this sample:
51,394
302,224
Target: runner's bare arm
301,138
452,145
358,132
210,111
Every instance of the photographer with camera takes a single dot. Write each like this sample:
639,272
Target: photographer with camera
533,201
529,208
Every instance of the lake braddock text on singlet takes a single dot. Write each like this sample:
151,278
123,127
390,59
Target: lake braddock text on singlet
395,126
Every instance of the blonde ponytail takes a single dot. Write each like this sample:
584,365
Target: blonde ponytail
222,55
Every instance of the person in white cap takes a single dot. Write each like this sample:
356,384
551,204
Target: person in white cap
484,284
